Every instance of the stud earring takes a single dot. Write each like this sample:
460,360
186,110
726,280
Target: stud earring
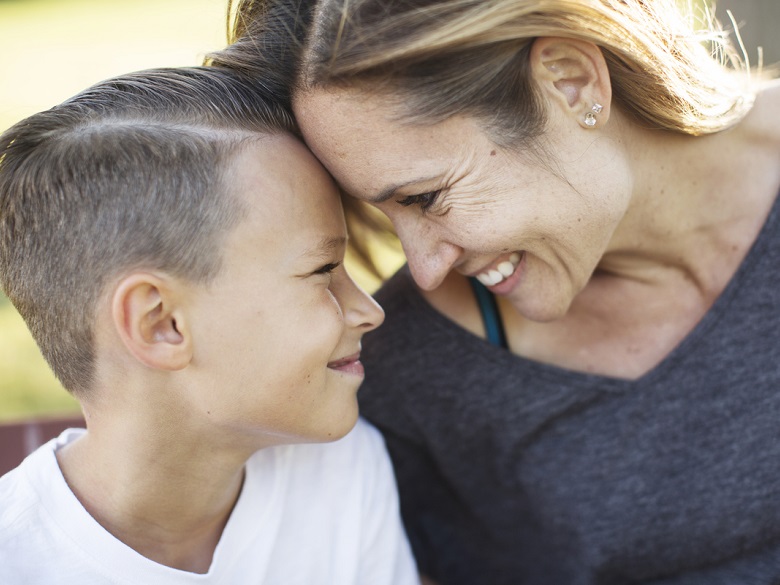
590,117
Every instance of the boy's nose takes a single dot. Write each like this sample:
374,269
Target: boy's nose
360,309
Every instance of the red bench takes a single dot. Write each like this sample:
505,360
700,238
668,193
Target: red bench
19,439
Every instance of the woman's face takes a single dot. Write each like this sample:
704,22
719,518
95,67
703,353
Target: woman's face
531,225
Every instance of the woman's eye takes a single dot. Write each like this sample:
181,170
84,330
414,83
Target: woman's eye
328,268
424,200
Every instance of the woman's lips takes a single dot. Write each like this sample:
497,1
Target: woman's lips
348,365
501,271
503,277
507,285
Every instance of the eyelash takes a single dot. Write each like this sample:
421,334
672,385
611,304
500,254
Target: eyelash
424,200
328,268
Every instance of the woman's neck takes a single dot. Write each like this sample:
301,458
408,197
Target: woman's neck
698,202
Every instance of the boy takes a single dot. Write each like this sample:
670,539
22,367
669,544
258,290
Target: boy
177,254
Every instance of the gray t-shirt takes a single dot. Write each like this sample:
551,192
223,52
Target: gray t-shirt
517,472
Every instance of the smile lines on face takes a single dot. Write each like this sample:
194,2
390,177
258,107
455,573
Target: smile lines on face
500,272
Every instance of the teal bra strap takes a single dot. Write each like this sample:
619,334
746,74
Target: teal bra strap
494,328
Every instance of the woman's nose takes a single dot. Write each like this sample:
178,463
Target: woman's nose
430,257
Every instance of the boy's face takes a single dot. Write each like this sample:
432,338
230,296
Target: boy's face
277,334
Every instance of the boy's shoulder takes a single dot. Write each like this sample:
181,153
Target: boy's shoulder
20,515
23,487
19,499
29,492
330,484
341,493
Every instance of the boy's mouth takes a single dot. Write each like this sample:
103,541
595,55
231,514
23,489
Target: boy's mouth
348,365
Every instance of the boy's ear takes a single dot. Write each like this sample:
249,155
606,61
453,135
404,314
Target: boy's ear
574,75
150,320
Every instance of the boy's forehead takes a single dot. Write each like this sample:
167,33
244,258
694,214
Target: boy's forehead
287,195
281,161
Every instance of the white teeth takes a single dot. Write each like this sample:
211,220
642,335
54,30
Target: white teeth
501,272
506,268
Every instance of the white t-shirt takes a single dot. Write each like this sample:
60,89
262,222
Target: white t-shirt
307,515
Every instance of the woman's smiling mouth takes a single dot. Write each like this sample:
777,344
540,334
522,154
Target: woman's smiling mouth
501,271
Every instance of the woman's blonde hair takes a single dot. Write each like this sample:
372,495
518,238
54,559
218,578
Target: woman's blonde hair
671,64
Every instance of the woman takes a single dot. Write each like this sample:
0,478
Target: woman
578,375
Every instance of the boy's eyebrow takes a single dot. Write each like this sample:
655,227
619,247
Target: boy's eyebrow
326,246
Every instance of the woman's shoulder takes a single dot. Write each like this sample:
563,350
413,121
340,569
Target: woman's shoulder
762,124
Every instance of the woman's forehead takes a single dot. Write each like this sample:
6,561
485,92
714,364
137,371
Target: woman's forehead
365,146
319,109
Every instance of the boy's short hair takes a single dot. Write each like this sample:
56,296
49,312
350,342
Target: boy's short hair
125,175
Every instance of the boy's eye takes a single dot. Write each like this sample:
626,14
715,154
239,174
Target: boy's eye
424,200
327,268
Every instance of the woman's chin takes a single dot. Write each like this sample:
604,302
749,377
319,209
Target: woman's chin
543,308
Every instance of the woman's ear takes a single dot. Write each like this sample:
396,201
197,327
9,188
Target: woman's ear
574,75
150,320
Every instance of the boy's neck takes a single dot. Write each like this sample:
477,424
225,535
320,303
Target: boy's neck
170,507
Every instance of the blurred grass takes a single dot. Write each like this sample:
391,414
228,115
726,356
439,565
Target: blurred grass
53,49
27,386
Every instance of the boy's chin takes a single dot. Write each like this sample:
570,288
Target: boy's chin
339,427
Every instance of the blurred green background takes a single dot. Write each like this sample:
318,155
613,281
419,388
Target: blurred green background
54,48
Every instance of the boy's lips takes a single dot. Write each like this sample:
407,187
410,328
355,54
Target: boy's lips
348,365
